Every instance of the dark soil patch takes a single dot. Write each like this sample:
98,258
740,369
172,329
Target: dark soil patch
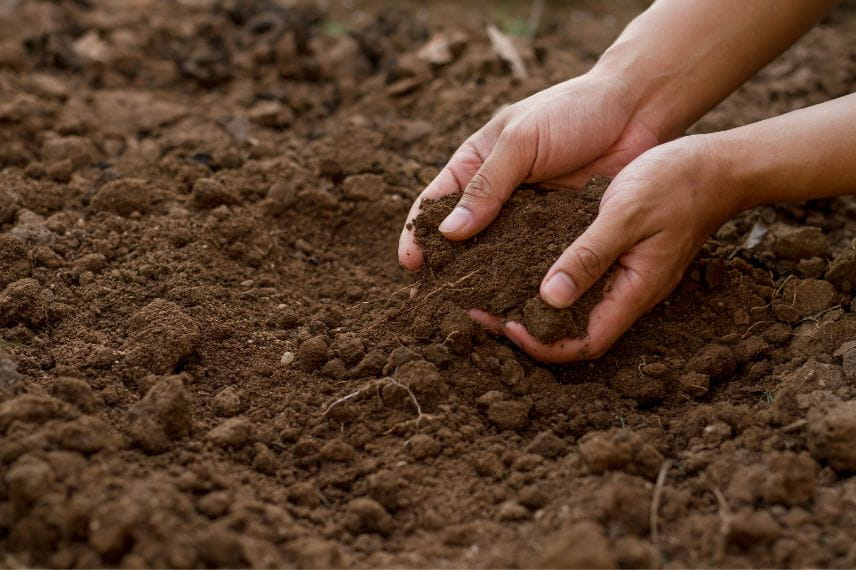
501,269
208,356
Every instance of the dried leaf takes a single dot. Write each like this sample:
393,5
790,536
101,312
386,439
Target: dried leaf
505,49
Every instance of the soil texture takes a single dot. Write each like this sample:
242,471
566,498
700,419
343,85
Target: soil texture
209,356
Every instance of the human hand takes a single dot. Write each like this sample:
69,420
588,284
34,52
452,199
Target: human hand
653,219
561,135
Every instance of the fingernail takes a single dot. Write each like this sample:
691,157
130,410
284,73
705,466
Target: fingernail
457,221
558,290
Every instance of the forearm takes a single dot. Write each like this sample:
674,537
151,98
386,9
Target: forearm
680,58
810,153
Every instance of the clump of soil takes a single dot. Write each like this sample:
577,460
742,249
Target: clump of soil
500,270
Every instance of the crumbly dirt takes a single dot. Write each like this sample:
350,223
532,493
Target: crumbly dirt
500,270
208,354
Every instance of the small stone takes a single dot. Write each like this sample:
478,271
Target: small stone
832,434
234,432
491,396
510,511
509,414
367,515
162,416
227,402
801,242
123,197
423,446
271,114
715,360
287,358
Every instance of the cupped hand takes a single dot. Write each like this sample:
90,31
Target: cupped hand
561,135
653,219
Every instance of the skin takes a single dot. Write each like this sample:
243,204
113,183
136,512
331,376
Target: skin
669,66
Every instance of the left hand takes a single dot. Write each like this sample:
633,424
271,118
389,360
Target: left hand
653,219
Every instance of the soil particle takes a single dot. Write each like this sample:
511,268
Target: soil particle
548,445
367,515
233,432
842,271
165,414
123,197
715,360
509,414
748,528
313,353
14,259
24,302
80,151
694,384
581,545
386,488
424,381
749,349
8,206
803,298
832,434
161,335
423,446
511,511
620,450
369,187
30,408
790,479
227,402
9,374
801,242
338,451
86,434
211,193
519,259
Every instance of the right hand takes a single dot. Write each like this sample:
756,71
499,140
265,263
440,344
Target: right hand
562,136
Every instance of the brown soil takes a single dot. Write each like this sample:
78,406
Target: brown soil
208,356
501,269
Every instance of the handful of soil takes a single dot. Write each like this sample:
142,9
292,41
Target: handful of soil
500,269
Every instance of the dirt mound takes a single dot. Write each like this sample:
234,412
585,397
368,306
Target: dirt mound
501,269
208,356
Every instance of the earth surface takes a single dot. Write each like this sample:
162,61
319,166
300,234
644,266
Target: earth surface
209,356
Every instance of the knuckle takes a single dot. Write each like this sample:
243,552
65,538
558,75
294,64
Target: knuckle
587,259
479,188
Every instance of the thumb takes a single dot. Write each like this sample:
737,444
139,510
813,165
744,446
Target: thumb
507,165
586,260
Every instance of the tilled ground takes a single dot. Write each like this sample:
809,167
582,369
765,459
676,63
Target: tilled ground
208,356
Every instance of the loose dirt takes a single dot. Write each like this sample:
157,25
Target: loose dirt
209,356
534,227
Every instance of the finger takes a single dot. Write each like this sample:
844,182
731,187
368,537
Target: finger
630,295
463,165
488,321
507,165
563,350
587,258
